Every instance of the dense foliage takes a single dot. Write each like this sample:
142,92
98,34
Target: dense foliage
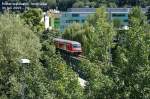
90,33
131,65
114,69
33,17
63,79
96,37
46,77
19,42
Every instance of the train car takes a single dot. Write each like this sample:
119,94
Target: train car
68,46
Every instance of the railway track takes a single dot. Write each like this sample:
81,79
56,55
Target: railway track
74,63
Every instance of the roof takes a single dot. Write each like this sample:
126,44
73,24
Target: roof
93,10
81,10
66,41
118,9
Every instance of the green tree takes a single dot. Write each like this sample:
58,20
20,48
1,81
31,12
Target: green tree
82,33
104,39
53,80
145,3
51,3
131,65
78,4
63,79
96,37
148,15
117,23
102,43
33,17
98,85
17,41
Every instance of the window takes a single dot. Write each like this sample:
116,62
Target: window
118,15
76,46
69,21
75,15
76,21
65,15
83,21
126,20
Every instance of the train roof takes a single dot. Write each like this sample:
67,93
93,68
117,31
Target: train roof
66,41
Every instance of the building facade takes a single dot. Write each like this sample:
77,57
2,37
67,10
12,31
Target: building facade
79,15
54,16
51,19
119,14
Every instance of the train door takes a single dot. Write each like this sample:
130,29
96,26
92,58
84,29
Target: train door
69,48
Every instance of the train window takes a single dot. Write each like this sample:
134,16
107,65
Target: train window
61,45
76,46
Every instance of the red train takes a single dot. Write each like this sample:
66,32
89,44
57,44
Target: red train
68,46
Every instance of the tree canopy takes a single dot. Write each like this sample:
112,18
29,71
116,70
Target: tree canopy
131,64
53,80
122,65
115,63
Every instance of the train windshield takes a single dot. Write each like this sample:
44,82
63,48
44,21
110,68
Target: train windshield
76,46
